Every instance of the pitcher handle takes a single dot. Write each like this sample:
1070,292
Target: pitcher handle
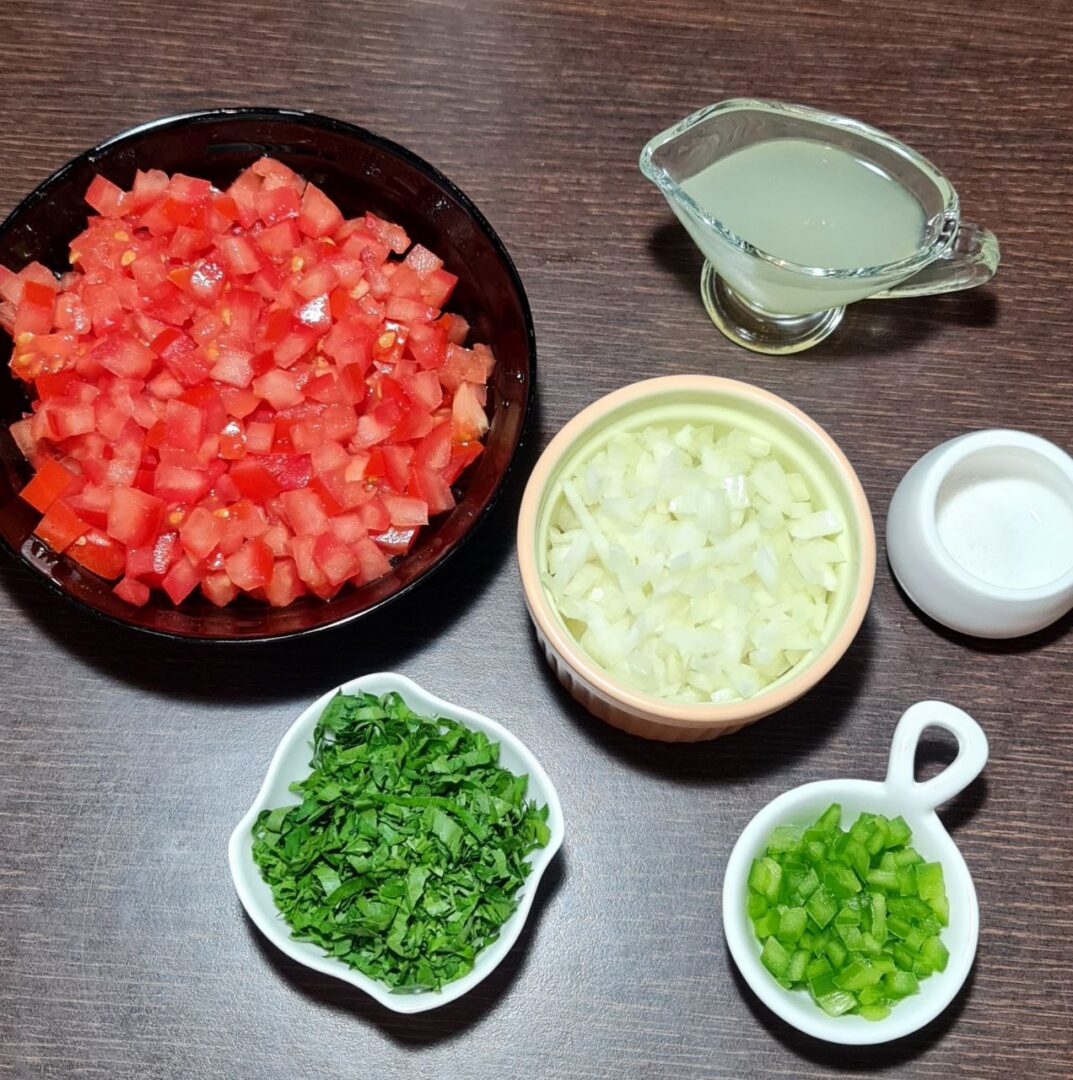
971,260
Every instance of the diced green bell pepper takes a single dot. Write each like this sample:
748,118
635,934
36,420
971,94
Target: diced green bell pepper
837,1002
775,958
792,923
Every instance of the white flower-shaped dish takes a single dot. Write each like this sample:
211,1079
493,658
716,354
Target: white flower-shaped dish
898,794
291,762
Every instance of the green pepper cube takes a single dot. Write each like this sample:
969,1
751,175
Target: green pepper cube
816,967
941,906
857,976
935,953
873,1012
887,863
841,880
903,958
871,994
899,927
851,937
930,880
900,833
792,923
849,914
906,857
767,925
837,1002
856,854
756,905
909,908
861,830
765,876
798,962
831,819
929,926
821,907
784,838
816,850
914,939
837,953
869,945
907,881
775,958
900,984
808,884
884,962
822,983
880,835
887,880
879,917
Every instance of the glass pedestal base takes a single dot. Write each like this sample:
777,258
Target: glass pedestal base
756,330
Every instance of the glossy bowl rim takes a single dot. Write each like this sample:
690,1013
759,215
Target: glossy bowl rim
240,847
364,135
690,716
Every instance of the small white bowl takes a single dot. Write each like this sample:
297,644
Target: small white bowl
898,794
980,533
291,762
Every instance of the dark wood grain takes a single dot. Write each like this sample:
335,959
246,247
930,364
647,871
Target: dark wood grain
124,762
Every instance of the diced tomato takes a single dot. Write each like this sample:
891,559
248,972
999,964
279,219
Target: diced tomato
373,562
174,483
254,481
336,558
200,532
430,486
319,216
292,471
305,512
277,204
436,290
405,510
251,566
133,591
181,580
469,422
233,367
284,586
49,482
422,260
184,425
233,390
133,516
60,527
218,587
461,456
238,255
97,551
123,355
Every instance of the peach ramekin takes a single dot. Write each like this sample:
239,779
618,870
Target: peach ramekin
799,443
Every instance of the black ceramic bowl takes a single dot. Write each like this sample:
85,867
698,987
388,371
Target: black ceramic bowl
360,171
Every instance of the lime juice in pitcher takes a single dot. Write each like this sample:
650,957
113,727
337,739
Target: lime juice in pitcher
799,213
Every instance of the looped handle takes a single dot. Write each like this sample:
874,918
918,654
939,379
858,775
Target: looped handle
971,260
971,757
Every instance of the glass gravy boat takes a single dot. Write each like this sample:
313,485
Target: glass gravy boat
770,304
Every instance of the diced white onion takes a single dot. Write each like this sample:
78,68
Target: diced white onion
692,566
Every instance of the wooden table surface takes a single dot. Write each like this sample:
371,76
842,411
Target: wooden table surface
124,761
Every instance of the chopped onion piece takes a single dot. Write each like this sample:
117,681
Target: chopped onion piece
692,565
